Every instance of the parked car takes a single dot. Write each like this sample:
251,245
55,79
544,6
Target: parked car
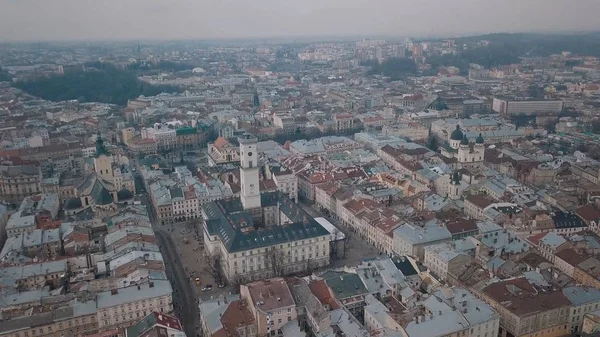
207,287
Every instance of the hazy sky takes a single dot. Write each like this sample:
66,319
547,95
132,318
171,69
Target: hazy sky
183,19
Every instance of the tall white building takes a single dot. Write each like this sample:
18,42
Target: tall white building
512,107
250,193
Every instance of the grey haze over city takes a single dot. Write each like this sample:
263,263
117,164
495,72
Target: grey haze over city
38,20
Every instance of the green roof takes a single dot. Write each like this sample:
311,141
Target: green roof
188,130
101,195
124,194
73,203
448,148
176,192
234,225
344,285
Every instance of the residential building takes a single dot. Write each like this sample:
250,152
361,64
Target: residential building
526,311
121,308
584,300
271,304
440,258
411,239
18,181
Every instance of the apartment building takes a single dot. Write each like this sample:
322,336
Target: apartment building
227,314
78,319
121,308
584,300
18,181
222,151
179,196
287,183
36,275
271,304
145,146
164,136
343,122
63,157
527,311
411,240
441,258
476,205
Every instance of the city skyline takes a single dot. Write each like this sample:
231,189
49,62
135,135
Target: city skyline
63,20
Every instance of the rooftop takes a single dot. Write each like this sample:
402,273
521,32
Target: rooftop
344,285
152,289
235,226
521,298
270,294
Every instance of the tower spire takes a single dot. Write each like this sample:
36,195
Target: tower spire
100,148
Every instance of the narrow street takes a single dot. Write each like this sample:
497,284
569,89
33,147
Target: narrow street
184,296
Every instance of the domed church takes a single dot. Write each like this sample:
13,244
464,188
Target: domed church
103,188
465,152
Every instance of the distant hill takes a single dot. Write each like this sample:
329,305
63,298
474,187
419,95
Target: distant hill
100,82
509,48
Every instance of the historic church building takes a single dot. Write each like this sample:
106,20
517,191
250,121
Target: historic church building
108,184
465,152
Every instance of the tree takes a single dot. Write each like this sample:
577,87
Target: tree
274,260
550,126
213,266
432,143
394,68
346,242
582,147
335,245
100,82
439,105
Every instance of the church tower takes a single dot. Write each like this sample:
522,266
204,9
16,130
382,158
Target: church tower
250,193
102,162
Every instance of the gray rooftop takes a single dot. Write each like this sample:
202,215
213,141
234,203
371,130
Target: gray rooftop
133,294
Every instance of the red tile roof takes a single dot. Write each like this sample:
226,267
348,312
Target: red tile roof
321,291
588,213
479,200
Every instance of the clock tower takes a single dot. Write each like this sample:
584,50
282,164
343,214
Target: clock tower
250,193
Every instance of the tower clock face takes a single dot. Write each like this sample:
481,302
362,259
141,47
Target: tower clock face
249,154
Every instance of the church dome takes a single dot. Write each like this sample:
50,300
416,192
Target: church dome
464,140
456,134
124,194
101,195
479,139
73,203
